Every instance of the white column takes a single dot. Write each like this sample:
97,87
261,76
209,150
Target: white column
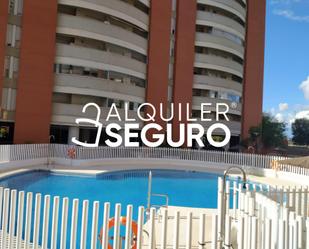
73,132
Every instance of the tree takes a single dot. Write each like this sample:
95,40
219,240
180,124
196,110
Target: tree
300,130
271,133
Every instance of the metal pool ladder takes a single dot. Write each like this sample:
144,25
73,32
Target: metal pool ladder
223,212
150,194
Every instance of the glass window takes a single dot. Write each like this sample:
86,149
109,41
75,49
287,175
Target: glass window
6,66
11,7
234,98
131,106
9,35
15,7
20,7
15,67
213,94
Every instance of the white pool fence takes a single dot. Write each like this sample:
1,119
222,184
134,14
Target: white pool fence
266,217
259,217
9,153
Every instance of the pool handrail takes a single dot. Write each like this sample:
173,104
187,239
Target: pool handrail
223,212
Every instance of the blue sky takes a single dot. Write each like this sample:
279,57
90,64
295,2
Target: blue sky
286,85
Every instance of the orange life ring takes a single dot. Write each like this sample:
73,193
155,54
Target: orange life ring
123,221
71,153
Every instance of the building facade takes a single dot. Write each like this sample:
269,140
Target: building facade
59,55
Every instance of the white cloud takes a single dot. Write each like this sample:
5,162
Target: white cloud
302,114
289,14
283,107
279,117
289,117
304,86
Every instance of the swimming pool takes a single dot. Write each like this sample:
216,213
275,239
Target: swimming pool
184,188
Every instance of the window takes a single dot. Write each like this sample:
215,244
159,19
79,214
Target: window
13,35
222,95
118,103
213,94
11,65
59,134
15,67
15,7
234,98
131,106
6,66
11,6
9,35
62,98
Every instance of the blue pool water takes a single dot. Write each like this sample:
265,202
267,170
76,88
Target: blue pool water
194,189
184,188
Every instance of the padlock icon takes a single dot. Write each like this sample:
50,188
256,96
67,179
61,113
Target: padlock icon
96,123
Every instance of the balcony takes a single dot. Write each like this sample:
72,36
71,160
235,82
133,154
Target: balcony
99,87
231,6
116,8
203,82
217,42
67,113
93,58
221,22
218,63
197,101
93,29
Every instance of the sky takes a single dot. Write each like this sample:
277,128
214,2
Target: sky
286,83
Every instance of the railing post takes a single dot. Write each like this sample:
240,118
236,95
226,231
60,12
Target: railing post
254,233
164,229
268,234
28,220
84,225
128,227
214,233
74,224
227,234
307,233
176,230
45,222
20,218
152,229
117,227
6,202
139,242
201,241
64,223
36,223
94,228
12,218
105,228
189,231
55,219
282,234
220,206
240,233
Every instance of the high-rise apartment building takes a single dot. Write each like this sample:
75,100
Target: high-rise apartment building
59,55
